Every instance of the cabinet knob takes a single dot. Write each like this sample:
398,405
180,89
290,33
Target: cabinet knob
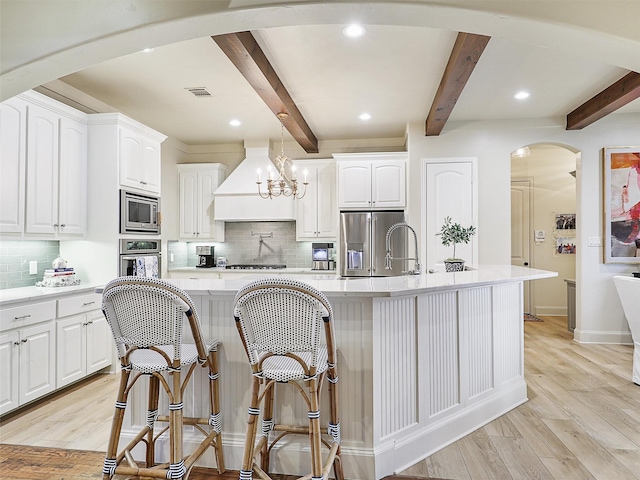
142,182
24,340
63,225
56,225
16,343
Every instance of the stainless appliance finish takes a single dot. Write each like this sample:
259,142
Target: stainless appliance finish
362,243
132,249
139,213
322,256
205,256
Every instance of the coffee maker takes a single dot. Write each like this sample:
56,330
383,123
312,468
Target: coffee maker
205,256
322,256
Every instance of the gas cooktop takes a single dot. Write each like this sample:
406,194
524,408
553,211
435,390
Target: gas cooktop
254,267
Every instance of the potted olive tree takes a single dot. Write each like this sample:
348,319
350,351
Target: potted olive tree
454,233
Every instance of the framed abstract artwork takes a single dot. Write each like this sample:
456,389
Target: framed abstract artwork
621,168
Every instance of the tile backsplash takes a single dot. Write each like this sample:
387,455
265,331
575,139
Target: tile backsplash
242,245
15,257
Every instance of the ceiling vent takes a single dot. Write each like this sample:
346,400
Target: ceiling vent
199,92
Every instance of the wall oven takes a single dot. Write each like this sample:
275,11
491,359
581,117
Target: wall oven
139,213
140,258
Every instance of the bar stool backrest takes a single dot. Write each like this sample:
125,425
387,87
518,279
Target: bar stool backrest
280,316
144,312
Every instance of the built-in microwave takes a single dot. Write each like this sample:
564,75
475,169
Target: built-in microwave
139,213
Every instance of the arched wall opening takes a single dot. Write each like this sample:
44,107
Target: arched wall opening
546,176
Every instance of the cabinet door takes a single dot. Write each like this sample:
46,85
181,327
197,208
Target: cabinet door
9,370
130,151
307,209
42,171
151,166
327,208
100,344
207,184
450,192
388,184
37,362
188,205
72,197
354,185
13,124
71,350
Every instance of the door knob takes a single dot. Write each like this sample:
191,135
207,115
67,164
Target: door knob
526,264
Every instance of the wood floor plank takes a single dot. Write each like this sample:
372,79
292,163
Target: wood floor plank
538,435
520,459
481,457
447,463
567,469
597,459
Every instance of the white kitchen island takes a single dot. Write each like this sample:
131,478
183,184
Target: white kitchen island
423,361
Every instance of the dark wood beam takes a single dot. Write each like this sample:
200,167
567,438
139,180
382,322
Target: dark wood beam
610,99
464,56
245,53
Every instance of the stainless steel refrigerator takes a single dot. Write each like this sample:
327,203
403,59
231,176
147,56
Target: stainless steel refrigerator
362,244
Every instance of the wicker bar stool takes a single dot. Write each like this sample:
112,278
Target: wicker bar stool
146,317
280,322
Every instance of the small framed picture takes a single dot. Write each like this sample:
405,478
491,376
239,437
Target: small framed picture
621,175
566,245
565,221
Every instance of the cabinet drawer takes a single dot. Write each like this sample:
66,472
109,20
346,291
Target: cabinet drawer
27,314
79,304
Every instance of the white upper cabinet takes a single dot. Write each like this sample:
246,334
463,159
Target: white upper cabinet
13,148
371,180
140,161
198,182
44,167
317,212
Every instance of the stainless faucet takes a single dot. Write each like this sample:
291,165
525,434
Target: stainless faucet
388,257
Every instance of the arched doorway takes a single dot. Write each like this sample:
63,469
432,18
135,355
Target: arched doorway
543,222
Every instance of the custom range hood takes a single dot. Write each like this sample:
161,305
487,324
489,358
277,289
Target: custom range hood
237,199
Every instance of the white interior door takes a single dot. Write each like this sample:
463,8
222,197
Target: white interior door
521,232
449,192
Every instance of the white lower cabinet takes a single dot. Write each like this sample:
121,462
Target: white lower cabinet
84,340
84,346
41,351
27,359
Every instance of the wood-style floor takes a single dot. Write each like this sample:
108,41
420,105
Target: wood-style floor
582,420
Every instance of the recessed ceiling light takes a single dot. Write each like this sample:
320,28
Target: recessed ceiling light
354,30
147,50
235,123
522,95
364,116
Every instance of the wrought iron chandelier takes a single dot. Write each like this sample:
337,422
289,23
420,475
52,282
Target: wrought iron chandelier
282,184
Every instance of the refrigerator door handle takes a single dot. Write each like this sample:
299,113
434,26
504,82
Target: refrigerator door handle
372,229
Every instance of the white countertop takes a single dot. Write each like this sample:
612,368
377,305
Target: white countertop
330,284
23,294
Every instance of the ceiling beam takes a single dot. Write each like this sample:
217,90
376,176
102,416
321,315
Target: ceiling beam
245,53
464,56
610,99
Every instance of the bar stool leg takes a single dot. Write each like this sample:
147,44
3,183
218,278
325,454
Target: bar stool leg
116,426
314,430
176,468
246,473
152,415
267,426
335,420
214,401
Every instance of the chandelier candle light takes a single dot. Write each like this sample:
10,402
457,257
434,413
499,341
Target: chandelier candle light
282,185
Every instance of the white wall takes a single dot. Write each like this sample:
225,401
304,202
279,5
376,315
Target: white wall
599,312
553,192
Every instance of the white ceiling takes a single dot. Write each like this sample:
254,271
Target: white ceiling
392,73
